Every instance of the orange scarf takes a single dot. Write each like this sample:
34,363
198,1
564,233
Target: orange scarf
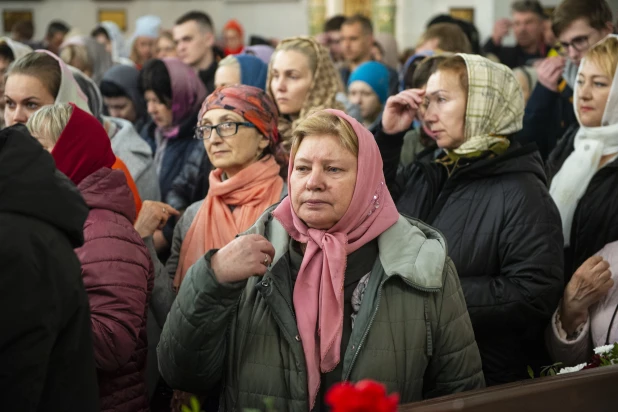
251,191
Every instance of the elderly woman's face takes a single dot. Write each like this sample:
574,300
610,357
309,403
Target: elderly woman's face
445,109
237,150
323,180
594,86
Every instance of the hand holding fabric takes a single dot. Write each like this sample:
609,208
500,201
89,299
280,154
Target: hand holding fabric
549,72
242,258
588,285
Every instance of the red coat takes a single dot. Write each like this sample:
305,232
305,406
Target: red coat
118,275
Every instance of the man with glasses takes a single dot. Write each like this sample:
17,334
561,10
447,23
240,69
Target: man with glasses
578,25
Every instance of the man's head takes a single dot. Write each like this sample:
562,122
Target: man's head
528,19
22,31
579,25
357,39
194,37
332,30
55,35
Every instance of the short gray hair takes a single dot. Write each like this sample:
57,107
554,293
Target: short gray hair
50,121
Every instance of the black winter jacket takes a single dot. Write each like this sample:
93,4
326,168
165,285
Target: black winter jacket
505,237
595,222
46,348
192,184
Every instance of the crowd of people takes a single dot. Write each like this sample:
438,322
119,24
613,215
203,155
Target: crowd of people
188,215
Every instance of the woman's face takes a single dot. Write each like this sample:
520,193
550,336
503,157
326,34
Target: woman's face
592,94
232,153
291,78
165,48
361,94
227,75
144,46
24,95
158,111
102,39
232,39
322,181
445,109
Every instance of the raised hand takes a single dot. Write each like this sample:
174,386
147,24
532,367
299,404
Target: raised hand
242,258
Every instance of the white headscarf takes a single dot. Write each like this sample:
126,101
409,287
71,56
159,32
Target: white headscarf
69,89
591,143
116,38
19,49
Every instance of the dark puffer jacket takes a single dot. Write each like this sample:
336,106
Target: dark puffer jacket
505,237
595,222
192,184
46,357
118,275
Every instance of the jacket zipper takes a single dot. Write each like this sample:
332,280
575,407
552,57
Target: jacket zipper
362,341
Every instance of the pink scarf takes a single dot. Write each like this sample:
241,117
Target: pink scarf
318,292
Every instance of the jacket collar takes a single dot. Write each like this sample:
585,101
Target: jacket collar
420,263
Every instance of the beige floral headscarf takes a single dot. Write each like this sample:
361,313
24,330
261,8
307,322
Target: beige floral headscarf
322,93
495,107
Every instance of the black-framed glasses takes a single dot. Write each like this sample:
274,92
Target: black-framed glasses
225,129
579,43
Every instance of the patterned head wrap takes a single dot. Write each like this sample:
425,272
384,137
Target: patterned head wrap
252,103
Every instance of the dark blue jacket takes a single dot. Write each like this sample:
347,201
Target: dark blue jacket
548,116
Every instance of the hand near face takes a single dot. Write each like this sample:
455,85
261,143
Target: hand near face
242,258
401,110
589,284
153,216
550,71
501,30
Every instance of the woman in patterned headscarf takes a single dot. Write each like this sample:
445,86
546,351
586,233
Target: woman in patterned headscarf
489,197
301,78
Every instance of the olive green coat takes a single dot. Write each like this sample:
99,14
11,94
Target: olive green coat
412,332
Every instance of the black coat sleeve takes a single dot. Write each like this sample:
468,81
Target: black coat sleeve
528,287
542,120
30,315
390,150
180,195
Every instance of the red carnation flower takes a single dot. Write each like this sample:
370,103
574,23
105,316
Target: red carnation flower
365,396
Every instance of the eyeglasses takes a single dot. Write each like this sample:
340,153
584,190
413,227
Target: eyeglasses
226,129
579,43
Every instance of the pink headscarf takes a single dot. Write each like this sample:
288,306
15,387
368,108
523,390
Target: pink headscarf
188,92
318,292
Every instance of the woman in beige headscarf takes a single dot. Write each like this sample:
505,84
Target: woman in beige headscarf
301,78
489,198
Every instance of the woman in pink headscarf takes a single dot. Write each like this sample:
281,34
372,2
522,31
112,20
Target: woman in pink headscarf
330,285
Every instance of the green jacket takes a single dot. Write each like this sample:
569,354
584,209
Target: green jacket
412,332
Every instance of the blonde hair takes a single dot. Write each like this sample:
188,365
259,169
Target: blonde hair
76,55
325,123
326,83
50,121
605,56
229,61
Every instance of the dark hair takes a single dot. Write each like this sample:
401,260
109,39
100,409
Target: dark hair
155,77
111,89
529,6
362,20
450,38
39,65
55,27
597,12
202,19
424,70
468,28
6,52
100,31
334,23
24,29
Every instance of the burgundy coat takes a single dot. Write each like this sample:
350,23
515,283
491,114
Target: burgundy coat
118,275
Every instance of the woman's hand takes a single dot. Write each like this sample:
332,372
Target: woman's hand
153,216
588,285
242,258
400,110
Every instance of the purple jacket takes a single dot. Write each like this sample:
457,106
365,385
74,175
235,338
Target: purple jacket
118,275
595,331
